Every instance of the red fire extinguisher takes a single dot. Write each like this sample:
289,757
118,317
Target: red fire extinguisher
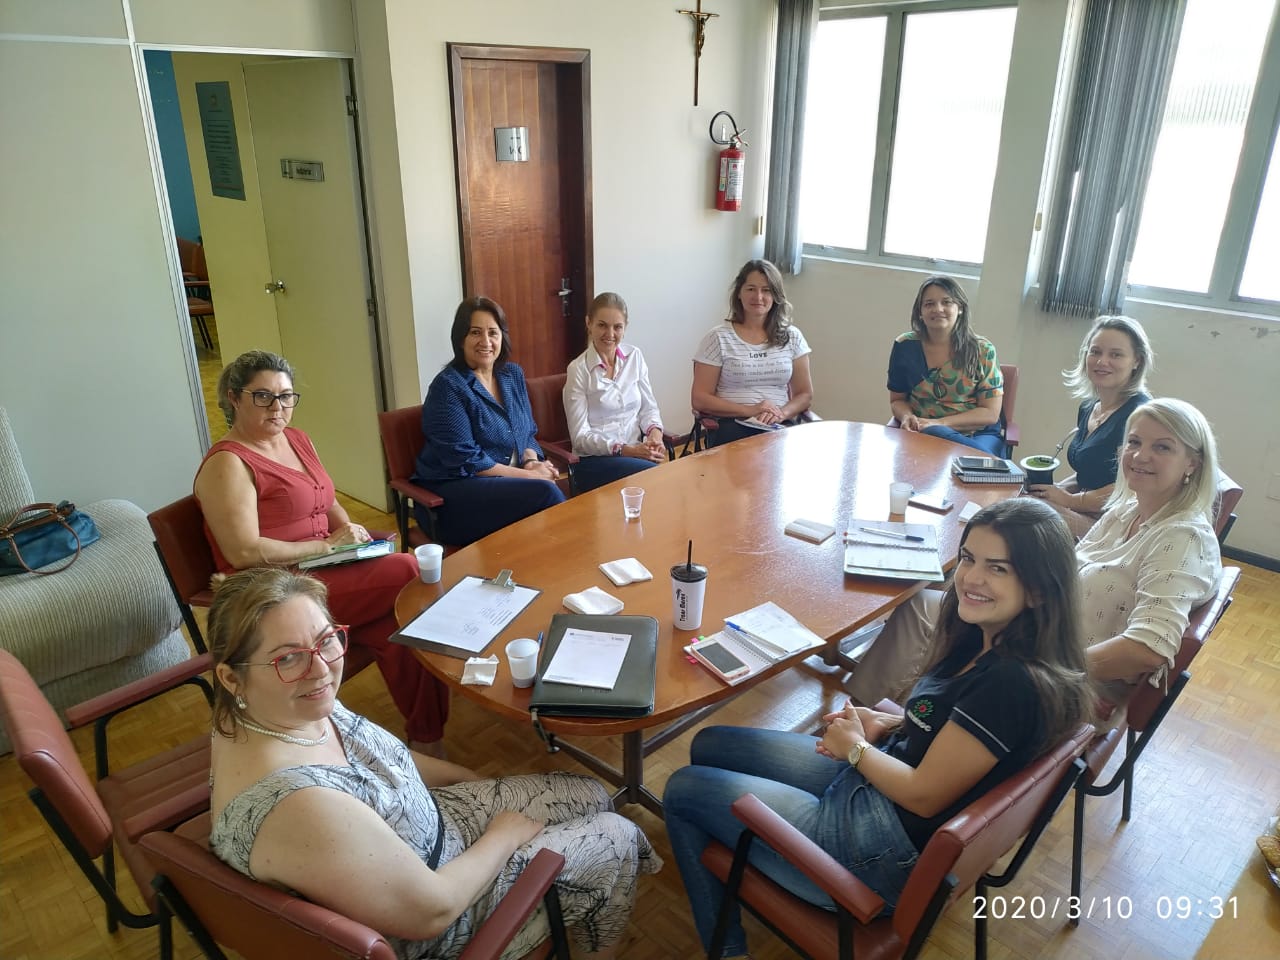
732,165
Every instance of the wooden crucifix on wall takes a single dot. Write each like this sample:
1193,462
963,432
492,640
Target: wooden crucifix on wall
700,18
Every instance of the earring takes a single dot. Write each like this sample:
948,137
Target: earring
1186,478
240,704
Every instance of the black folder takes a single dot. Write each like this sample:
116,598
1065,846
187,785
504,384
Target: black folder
631,696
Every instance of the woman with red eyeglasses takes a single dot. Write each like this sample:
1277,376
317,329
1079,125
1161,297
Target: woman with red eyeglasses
315,799
268,501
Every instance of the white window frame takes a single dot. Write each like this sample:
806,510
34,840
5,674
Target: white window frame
1246,194
882,168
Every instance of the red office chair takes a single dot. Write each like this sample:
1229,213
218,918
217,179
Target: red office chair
187,561
1139,720
402,441
156,794
1224,517
546,399
959,855
195,280
219,905
1009,399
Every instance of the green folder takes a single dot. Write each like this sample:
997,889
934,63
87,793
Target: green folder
631,695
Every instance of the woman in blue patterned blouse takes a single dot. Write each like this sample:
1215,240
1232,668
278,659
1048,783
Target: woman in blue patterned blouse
480,455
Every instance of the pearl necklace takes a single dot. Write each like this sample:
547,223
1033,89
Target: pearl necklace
287,738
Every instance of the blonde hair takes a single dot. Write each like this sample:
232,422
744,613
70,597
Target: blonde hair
1078,379
1198,496
240,603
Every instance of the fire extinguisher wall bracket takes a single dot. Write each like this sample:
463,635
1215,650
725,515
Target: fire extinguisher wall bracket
731,165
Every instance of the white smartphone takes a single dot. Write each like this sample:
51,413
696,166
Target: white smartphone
930,502
720,659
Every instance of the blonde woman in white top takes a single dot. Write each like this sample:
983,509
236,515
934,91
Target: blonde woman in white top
614,421
756,363
1144,566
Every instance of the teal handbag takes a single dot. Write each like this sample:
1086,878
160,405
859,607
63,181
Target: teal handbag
44,533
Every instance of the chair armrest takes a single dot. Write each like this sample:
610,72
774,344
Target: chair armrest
131,694
563,456
814,862
1012,434
165,816
894,422
808,416
521,900
419,495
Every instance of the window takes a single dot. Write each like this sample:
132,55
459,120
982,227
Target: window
911,183
1211,215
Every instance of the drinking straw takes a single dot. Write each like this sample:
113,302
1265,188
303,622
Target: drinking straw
688,566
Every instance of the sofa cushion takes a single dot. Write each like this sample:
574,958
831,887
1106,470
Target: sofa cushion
15,488
113,602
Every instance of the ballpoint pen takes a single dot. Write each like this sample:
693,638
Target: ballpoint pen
893,533
539,640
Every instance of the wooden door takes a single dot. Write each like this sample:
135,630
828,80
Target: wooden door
315,239
526,225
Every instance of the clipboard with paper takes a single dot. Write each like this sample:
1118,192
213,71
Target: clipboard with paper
467,618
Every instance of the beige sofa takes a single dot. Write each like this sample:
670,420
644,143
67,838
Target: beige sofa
108,620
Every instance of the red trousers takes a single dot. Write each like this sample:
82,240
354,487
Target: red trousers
363,595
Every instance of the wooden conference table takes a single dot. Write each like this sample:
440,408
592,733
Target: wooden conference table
733,502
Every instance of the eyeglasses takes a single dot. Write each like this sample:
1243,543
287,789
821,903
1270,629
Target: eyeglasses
265,398
296,664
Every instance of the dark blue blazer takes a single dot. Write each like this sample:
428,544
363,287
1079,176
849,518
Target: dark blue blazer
468,431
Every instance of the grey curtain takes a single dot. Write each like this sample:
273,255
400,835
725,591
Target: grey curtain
797,20
1122,75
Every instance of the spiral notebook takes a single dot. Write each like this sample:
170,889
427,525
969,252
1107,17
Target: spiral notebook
1013,474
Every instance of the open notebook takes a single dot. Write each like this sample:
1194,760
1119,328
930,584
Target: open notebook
898,551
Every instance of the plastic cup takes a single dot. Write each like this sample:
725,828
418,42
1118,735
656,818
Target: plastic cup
899,494
688,589
522,655
430,556
632,498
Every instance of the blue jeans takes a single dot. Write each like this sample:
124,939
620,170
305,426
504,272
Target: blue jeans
826,800
989,439
592,472
477,506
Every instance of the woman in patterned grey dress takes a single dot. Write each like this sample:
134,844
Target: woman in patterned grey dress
423,866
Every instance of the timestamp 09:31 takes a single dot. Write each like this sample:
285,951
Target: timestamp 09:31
999,907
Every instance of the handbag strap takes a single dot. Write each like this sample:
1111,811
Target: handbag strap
54,514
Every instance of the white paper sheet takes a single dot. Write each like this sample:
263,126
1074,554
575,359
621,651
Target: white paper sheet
588,658
769,623
470,615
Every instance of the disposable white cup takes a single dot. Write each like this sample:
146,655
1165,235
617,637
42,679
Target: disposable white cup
899,494
430,556
688,590
522,655
632,498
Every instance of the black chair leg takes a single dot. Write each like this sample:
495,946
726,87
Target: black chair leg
1077,854
1127,804
980,923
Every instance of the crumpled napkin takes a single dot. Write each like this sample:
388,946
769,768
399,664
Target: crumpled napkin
480,671
593,600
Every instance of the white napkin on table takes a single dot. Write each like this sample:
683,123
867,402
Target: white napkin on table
593,600
480,671
624,571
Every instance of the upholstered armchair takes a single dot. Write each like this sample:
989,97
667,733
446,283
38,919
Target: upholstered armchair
107,620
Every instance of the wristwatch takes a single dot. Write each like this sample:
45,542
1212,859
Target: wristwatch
856,752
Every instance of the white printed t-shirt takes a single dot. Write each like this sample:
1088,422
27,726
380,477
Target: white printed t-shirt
751,372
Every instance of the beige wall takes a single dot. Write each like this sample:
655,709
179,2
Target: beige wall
658,241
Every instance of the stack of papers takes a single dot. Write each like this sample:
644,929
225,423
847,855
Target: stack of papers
772,631
588,658
898,551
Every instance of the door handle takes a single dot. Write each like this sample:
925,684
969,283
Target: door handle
563,293
274,286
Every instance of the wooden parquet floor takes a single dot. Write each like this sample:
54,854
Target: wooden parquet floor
1205,790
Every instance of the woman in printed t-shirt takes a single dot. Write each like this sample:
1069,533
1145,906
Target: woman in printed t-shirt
1007,683
754,365
944,379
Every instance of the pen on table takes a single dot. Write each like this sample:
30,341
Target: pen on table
539,640
893,533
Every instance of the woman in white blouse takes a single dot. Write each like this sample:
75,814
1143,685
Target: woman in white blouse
1150,560
614,422
754,365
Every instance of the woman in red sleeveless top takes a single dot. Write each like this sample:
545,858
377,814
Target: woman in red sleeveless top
268,501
